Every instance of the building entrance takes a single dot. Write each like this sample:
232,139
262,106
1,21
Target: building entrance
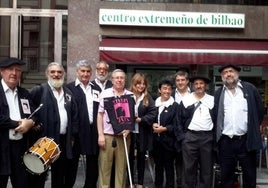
37,36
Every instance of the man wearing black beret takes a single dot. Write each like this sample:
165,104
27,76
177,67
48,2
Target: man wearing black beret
15,108
196,119
238,114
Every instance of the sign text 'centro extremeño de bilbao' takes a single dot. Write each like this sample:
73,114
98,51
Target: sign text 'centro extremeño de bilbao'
170,19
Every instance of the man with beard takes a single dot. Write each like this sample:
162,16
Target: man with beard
99,84
239,112
101,81
60,121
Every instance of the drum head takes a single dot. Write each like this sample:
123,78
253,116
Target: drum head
33,163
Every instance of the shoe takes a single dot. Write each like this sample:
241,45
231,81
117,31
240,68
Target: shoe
138,186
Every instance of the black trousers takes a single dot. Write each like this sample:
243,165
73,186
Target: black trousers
164,164
91,167
140,158
198,159
232,151
19,176
179,169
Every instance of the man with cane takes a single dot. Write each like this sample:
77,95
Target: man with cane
116,118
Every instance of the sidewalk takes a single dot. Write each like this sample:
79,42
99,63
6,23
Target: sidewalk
262,177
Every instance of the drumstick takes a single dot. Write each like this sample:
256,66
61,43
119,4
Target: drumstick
36,110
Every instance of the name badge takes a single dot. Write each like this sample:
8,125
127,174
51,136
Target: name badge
25,106
13,135
96,94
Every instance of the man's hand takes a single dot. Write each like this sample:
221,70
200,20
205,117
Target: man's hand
101,141
125,133
158,128
24,125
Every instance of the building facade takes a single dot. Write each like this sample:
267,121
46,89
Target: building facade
151,36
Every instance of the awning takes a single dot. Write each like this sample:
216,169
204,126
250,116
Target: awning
167,51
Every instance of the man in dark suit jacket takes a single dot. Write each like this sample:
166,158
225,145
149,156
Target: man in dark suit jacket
86,95
59,116
15,108
239,112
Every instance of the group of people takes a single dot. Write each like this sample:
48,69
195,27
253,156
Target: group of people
185,129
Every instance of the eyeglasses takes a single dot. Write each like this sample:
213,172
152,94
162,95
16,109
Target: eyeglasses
102,68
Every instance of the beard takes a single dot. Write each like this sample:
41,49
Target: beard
231,83
102,78
56,83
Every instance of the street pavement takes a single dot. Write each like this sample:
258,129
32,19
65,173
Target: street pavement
262,176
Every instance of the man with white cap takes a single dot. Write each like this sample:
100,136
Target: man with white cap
239,112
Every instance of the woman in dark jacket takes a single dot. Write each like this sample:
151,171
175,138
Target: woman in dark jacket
164,139
142,137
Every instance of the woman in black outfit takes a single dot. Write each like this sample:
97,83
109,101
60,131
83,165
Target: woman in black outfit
142,137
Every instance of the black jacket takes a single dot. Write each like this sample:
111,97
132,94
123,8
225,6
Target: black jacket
169,119
255,114
49,114
5,124
88,134
147,115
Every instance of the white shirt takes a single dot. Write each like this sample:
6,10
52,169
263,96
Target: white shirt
138,101
62,111
235,112
201,120
162,105
179,96
102,86
89,98
14,111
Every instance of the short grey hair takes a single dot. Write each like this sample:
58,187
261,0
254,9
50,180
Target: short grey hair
118,70
83,63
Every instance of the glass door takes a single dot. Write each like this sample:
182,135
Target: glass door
37,37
